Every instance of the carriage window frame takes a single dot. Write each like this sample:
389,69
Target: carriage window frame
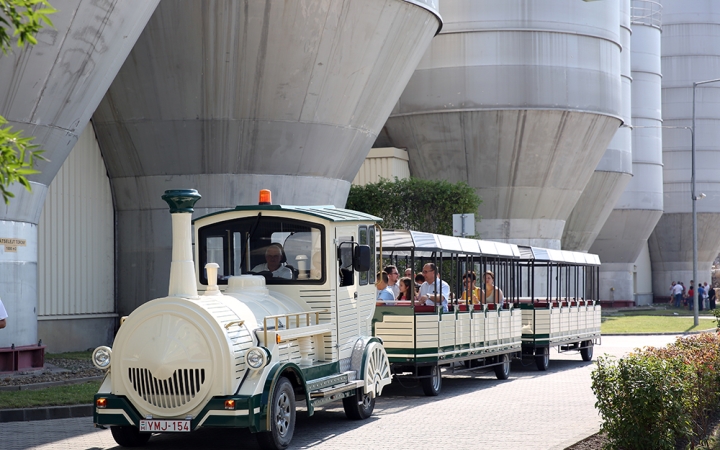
228,229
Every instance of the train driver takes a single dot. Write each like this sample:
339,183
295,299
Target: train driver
274,257
433,290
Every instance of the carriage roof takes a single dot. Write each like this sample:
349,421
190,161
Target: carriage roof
399,241
558,256
326,212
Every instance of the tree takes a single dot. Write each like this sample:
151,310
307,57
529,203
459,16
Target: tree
18,156
415,204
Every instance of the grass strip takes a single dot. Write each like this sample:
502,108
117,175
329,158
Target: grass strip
628,324
76,394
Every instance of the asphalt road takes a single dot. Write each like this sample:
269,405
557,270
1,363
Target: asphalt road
531,410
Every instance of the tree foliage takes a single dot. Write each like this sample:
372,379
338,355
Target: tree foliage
415,204
21,19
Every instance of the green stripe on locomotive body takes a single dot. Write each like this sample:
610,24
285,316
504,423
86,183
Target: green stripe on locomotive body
227,418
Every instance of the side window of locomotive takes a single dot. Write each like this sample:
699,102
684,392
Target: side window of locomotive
372,273
363,240
345,253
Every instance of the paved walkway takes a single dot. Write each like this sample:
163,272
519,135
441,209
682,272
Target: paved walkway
531,410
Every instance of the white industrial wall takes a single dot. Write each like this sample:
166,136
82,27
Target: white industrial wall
76,252
387,162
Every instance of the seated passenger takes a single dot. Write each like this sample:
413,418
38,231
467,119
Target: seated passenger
493,294
419,280
478,295
406,289
434,290
384,294
275,262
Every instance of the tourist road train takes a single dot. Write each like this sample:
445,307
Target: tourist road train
271,306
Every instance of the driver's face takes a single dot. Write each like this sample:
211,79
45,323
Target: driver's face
273,258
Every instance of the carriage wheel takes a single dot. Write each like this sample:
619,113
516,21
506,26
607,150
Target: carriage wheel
587,352
502,371
432,383
542,358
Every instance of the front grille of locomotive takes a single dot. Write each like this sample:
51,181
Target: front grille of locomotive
173,392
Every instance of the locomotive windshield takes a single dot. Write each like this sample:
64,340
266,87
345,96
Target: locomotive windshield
284,251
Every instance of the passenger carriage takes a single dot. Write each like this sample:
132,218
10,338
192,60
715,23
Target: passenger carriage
420,340
559,302
233,345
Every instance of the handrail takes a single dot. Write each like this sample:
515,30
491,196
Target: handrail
646,12
278,317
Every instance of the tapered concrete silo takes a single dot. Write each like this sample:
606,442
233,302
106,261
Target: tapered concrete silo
690,53
614,170
229,97
626,231
49,91
520,99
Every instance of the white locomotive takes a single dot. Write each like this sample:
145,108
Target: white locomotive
293,320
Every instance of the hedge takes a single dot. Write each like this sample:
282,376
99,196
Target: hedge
656,397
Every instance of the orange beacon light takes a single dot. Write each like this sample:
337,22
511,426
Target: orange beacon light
265,197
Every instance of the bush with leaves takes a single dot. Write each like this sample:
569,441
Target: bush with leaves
655,397
414,203
23,18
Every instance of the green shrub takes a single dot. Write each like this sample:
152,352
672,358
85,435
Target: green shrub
655,396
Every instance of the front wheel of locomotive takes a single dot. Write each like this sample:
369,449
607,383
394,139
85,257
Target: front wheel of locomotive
432,380
127,436
359,406
282,417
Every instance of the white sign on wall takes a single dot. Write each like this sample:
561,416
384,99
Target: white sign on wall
463,225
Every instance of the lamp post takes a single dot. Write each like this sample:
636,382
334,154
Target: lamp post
694,200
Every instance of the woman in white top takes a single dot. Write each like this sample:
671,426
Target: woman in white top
493,294
3,315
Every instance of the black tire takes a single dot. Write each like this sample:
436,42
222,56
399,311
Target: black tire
127,436
282,418
502,372
359,406
432,381
542,358
587,352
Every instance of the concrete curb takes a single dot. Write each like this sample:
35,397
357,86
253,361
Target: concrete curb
685,333
50,412
32,387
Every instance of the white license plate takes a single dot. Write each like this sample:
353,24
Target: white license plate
164,426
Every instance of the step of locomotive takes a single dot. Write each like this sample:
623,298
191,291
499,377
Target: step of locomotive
332,380
332,390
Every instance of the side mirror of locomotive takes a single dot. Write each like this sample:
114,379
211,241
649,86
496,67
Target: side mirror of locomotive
361,258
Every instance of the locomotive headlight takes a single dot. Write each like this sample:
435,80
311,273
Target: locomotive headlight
101,357
257,358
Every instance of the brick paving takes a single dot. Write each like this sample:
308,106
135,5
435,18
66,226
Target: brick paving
531,410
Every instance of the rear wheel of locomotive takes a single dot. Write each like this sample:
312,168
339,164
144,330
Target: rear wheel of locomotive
127,436
542,358
432,380
502,371
359,406
587,352
282,417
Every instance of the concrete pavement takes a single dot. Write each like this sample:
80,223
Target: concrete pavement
531,410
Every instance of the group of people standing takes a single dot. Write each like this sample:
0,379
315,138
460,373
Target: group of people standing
429,290
682,297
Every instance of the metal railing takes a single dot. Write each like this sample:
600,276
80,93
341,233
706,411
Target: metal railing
279,317
646,12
